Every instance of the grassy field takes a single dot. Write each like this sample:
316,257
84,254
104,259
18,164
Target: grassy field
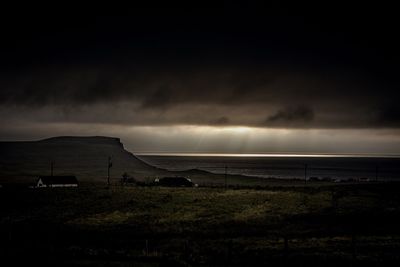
152,226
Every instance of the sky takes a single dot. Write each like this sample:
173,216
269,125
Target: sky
230,77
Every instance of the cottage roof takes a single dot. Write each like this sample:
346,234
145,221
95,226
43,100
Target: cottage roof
58,179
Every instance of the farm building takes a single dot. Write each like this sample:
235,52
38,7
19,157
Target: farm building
174,181
57,181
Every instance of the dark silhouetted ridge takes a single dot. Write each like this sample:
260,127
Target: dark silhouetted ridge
84,157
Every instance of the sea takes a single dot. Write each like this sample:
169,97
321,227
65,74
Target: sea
284,166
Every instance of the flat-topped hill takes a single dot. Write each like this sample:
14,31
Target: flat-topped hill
85,157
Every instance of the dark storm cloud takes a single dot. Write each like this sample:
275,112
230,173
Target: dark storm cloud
264,66
300,114
161,98
389,115
220,121
215,95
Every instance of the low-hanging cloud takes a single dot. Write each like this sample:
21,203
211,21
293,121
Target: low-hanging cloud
302,114
221,121
388,115
261,96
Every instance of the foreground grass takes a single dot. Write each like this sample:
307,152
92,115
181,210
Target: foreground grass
197,226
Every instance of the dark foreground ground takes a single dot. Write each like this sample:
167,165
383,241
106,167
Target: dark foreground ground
348,225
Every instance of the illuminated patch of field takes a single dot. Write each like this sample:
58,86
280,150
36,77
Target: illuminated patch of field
107,218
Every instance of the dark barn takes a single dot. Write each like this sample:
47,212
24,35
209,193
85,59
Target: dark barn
174,182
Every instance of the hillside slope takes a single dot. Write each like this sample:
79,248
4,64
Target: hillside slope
85,157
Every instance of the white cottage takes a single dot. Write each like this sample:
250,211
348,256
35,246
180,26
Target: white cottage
57,181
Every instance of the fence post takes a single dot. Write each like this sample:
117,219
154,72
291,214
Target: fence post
305,173
353,245
286,245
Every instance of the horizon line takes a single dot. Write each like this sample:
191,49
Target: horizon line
280,154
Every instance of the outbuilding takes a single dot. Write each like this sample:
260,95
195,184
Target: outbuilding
174,182
57,181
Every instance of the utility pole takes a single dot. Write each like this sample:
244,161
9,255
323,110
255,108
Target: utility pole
226,177
305,173
108,172
51,167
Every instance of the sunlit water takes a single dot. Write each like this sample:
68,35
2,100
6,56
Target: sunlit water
285,166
